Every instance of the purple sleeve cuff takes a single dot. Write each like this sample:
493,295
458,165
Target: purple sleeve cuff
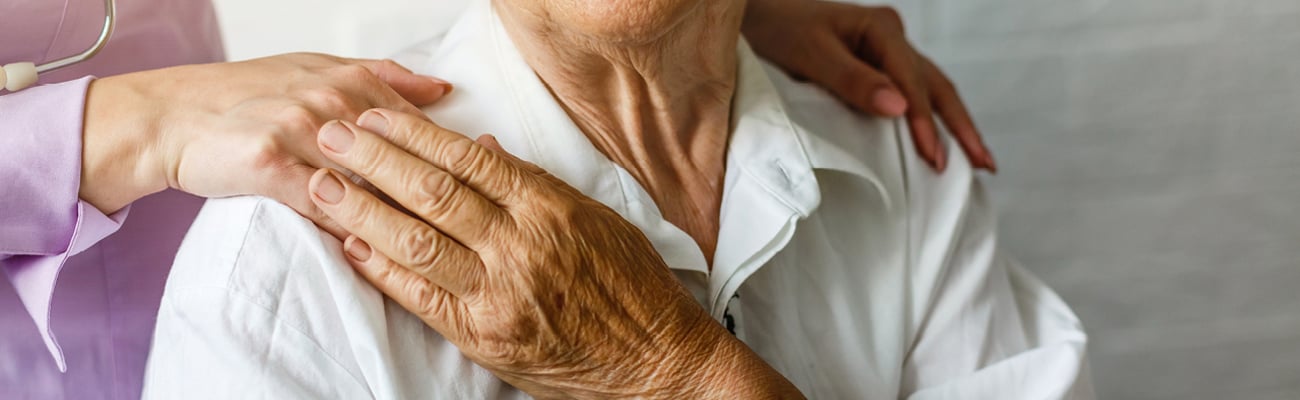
42,220
41,168
34,276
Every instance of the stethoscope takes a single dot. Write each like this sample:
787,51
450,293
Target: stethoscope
18,76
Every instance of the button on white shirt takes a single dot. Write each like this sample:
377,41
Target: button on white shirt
842,260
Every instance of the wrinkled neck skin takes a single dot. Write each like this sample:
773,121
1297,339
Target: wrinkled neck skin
650,82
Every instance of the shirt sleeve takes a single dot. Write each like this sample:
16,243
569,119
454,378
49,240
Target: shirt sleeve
42,219
988,329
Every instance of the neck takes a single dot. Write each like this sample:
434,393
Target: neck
656,101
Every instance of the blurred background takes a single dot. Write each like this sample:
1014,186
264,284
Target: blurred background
1150,157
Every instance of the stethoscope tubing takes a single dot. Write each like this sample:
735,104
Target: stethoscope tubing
110,20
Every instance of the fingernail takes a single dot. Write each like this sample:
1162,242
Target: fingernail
357,249
889,102
336,137
489,141
940,160
446,86
988,160
435,80
374,121
328,188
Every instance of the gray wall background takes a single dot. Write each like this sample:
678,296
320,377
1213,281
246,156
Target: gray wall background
1150,155
1151,174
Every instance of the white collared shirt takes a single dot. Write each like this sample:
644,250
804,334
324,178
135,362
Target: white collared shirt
842,260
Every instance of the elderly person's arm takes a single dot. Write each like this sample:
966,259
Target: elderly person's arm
580,306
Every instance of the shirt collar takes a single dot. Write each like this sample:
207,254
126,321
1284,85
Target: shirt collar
766,145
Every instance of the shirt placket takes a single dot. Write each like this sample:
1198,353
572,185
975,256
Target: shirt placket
755,234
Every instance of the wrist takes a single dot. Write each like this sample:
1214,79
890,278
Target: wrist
736,372
118,162
723,367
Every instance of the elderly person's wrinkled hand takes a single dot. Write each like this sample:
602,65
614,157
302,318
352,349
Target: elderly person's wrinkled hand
552,291
862,55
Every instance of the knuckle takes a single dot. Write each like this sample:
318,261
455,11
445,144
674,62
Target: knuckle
431,303
390,66
498,353
435,192
460,154
332,100
390,277
890,16
420,249
267,154
859,78
565,212
298,118
356,213
942,82
365,161
355,73
304,55
399,128
419,292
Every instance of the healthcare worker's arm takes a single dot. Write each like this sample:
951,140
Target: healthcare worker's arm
984,328
229,129
42,221
91,147
41,135
78,153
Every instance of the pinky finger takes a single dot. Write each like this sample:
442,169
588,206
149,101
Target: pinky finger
436,306
290,187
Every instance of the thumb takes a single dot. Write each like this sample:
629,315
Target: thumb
418,89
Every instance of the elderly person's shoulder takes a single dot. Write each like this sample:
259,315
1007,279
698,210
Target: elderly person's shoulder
877,149
257,292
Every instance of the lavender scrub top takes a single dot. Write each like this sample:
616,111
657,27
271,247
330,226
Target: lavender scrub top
81,288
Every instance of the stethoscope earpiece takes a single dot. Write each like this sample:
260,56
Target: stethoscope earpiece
18,76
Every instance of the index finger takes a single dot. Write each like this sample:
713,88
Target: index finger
470,163
407,241
418,89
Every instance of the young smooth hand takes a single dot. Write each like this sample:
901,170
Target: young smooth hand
229,129
862,55
547,288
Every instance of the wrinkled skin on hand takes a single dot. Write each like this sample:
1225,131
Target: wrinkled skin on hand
549,289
